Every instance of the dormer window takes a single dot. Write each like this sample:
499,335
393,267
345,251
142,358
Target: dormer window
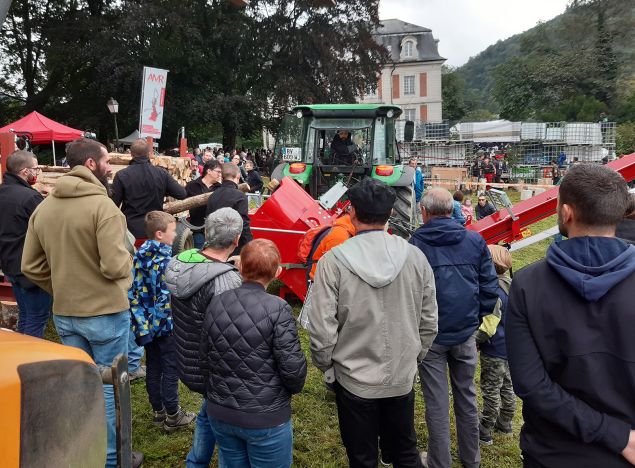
407,49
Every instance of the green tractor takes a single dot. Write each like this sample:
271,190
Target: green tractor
329,147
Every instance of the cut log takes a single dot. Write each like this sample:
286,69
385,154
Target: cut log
55,169
187,204
180,206
120,159
179,168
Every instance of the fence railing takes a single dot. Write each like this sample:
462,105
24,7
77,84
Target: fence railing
523,143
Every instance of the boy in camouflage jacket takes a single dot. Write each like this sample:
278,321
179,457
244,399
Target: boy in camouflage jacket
499,400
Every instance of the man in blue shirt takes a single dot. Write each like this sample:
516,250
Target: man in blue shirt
417,185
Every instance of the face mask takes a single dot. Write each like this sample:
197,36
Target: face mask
32,180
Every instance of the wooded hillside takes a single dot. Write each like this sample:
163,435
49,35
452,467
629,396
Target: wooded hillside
580,66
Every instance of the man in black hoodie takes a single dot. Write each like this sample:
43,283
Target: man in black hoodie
570,329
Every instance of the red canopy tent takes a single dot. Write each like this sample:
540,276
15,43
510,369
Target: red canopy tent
43,130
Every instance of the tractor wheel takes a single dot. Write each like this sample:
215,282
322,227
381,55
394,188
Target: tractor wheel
404,211
183,240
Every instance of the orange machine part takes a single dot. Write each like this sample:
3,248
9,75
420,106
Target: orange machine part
17,349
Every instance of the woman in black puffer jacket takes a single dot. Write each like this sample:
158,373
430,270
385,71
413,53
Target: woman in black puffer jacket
193,278
254,364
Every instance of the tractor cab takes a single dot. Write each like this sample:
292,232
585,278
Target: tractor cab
320,145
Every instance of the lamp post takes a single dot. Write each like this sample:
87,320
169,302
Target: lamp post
113,107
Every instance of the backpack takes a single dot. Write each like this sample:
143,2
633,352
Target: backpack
309,244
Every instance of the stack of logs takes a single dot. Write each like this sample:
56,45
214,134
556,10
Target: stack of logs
179,168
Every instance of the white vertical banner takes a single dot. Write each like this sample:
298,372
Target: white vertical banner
152,102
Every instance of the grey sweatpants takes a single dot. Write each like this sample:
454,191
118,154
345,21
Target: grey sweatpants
461,360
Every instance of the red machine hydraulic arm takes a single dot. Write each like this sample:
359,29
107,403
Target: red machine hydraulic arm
501,227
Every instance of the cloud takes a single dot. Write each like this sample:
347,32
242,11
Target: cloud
466,27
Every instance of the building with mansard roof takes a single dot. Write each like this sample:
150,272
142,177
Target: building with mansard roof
412,76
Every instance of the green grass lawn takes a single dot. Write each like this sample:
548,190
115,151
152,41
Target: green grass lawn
317,441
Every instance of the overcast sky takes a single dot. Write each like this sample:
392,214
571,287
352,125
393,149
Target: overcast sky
466,27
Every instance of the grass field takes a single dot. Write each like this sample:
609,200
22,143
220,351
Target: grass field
316,436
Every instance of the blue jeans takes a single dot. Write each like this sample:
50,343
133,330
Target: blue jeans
103,337
34,306
199,239
203,443
256,448
135,353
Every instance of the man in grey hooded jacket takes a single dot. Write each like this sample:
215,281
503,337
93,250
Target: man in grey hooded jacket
374,315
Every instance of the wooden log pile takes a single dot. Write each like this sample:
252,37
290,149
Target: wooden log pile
179,168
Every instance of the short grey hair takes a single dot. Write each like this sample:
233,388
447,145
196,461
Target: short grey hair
18,160
438,202
222,227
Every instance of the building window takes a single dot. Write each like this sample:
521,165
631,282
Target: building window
409,114
408,85
407,49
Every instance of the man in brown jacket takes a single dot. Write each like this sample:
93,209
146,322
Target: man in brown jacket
74,250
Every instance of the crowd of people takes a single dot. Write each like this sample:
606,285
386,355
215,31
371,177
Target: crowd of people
260,158
491,168
383,310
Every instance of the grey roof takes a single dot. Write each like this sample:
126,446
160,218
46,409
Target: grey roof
392,31
395,26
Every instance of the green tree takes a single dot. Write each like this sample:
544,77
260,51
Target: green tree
626,109
586,51
23,44
625,139
454,95
230,68
312,55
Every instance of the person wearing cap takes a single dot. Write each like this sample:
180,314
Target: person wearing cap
342,146
467,291
499,401
374,316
